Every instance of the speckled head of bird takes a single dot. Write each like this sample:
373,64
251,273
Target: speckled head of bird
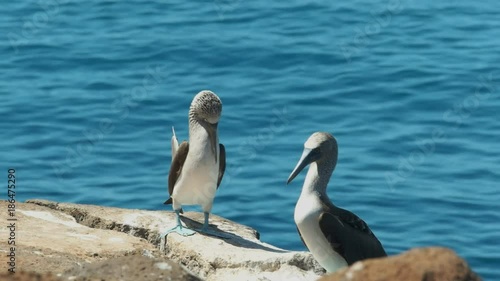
318,147
206,106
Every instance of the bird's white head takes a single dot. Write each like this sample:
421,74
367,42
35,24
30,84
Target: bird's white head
206,106
320,147
321,140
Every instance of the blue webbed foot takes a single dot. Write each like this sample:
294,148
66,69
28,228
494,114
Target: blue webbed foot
179,229
184,231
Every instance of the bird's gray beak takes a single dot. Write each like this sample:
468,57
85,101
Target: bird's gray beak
308,156
212,135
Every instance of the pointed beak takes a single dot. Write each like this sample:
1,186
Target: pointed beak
308,156
212,135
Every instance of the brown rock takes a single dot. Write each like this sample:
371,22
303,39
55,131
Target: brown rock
28,276
423,264
131,268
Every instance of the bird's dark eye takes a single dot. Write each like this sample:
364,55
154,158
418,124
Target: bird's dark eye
316,153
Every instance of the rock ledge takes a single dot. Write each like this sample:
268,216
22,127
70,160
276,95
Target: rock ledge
63,241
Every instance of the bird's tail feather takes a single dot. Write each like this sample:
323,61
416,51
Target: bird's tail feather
175,143
169,201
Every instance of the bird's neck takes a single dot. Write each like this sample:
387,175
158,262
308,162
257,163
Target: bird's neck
317,178
192,115
197,134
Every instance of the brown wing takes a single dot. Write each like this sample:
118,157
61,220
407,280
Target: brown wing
354,221
349,235
176,168
222,163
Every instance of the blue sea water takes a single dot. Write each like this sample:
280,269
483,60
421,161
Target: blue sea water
410,89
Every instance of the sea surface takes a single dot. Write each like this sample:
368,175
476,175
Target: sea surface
411,90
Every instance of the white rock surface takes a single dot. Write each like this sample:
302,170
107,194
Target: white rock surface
93,233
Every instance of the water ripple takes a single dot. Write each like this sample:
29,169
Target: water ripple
283,71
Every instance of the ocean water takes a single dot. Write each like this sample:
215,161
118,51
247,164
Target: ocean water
410,89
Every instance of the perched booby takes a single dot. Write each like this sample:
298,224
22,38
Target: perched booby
198,166
335,237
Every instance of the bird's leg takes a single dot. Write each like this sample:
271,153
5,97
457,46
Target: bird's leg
205,225
184,231
207,231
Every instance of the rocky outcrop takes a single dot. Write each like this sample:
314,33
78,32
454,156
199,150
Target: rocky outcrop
61,241
425,264
72,240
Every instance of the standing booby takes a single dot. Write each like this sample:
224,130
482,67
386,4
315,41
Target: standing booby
335,237
198,166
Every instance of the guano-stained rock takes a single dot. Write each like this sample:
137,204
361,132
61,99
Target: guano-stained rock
62,241
66,237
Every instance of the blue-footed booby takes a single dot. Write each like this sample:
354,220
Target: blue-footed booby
198,165
335,237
